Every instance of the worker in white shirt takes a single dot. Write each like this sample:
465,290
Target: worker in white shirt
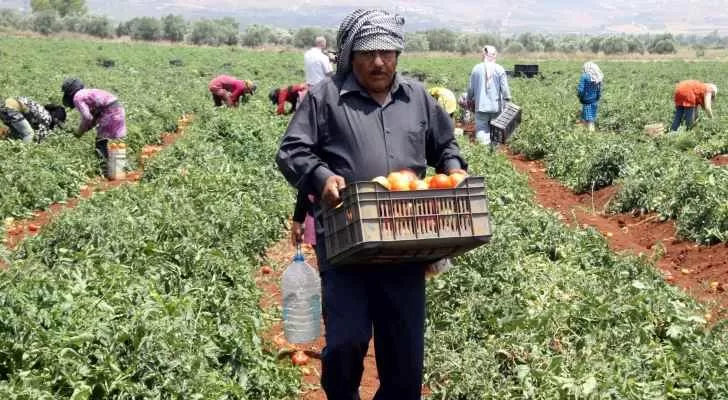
317,65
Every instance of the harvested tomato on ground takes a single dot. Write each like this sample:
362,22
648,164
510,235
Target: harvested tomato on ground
299,358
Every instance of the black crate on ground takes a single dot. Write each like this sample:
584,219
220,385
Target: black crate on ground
506,124
374,225
527,70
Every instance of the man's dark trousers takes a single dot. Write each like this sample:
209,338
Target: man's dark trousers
391,298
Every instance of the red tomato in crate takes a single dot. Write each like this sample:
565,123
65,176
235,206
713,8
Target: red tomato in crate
440,181
456,179
398,181
418,185
409,174
382,181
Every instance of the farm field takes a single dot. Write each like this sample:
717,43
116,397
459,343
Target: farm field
148,290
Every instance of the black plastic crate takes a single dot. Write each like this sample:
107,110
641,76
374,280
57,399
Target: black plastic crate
374,225
527,70
505,124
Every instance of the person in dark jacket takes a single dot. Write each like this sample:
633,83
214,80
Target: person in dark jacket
367,121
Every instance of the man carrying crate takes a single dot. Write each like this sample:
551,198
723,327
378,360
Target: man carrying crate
488,90
364,122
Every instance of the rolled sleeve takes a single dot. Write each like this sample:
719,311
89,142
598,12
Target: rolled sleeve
282,96
296,158
505,89
326,64
237,90
87,120
302,207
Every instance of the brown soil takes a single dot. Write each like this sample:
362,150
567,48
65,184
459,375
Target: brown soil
720,160
278,257
702,271
16,231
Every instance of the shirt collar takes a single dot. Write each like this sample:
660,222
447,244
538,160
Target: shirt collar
351,85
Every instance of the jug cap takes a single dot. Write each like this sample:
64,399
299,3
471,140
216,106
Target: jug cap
299,254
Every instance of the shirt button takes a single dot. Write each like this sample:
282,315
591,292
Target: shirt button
391,155
387,131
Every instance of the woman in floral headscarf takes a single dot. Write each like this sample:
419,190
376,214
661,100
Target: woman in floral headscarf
590,91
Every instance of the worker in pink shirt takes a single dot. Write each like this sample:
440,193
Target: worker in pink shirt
229,89
97,108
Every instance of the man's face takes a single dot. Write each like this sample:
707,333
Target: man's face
375,69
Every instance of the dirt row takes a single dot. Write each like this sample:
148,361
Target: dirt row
702,271
17,230
268,280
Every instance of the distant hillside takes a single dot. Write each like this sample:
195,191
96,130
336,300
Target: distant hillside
563,16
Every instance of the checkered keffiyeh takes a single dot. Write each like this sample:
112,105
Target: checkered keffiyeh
366,30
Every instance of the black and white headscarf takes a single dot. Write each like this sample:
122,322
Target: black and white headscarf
595,74
367,30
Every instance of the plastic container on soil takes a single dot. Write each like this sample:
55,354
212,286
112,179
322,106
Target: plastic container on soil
527,70
116,163
301,291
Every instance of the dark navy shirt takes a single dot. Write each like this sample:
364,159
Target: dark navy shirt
338,129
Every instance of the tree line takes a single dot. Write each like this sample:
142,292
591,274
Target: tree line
55,16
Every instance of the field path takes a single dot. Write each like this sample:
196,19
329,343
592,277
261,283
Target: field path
17,230
702,271
278,257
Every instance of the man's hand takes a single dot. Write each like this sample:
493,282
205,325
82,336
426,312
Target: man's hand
457,170
330,192
296,233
